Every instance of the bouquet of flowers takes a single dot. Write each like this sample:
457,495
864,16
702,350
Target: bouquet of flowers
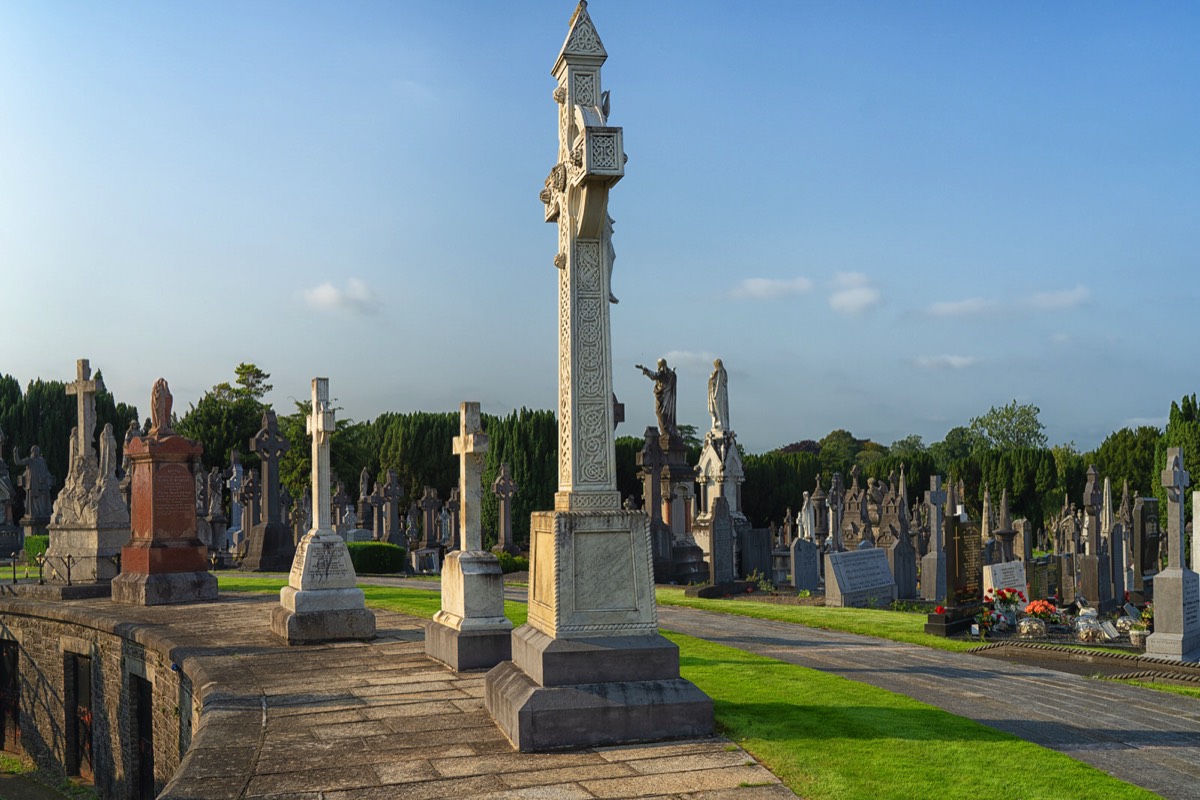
1007,597
1043,610
990,620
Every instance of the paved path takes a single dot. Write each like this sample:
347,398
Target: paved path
1145,737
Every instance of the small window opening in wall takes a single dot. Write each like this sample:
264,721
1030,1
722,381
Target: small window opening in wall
10,698
78,702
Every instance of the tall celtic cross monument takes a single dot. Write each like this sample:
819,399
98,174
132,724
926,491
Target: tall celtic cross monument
589,667
1176,588
470,631
322,601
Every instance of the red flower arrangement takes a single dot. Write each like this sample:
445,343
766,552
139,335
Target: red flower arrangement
939,610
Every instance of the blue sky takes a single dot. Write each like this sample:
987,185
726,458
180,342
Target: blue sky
885,217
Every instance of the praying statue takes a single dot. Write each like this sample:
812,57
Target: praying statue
36,481
664,397
718,397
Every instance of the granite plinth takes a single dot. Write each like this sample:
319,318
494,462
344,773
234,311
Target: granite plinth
567,693
60,591
270,547
93,554
314,627
465,650
1176,616
167,588
953,621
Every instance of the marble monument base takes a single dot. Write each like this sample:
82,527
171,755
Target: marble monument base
90,553
470,631
321,602
568,693
1176,616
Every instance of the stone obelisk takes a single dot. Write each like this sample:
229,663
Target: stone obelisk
470,631
322,601
589,667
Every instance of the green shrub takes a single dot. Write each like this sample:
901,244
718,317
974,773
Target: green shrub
511,563
35,546
376,558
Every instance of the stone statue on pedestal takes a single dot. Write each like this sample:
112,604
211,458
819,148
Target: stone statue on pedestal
664,397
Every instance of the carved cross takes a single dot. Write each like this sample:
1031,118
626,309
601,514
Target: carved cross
319,426
84,389
504,487
470,446
935,498
651,459
270,447
429,506
1175,479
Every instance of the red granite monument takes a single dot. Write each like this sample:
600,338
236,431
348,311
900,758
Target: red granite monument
165,561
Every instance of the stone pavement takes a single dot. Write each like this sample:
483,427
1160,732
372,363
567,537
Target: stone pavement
367,721
1145,737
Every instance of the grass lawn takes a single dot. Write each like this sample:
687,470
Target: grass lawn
1172,688
830,738
898,626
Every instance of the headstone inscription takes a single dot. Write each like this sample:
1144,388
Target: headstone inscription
1006,575
321,601
470,631
859,579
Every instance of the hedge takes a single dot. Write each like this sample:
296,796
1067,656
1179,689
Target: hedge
376,558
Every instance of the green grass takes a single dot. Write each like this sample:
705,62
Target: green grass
898,626
422,603
1174,689
15,765
829,738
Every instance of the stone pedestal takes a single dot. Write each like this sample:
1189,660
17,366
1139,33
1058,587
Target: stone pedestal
269,548
590,667
90,554
164,562
471,631
321,602
1176,615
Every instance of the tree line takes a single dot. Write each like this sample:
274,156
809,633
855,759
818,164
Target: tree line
1004,448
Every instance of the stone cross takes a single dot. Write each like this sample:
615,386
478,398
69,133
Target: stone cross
391,516
270,447
320,426
590,161
651,459
249,498
429,506
84,389
341,502
935,499
452,506
1175,479
470,446
504,487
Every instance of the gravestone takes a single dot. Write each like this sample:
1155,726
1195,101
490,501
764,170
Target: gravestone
806,565
1039,580
902,558
270,546
1146,536
651,459
450,519
341,504
233,477
470,631
933,563
967,566
427,559
391,511
1006,575
589,667
720,562
1068,580
90,521
504,487
165,562
756,552
322,601
366,515
1177,588
859,579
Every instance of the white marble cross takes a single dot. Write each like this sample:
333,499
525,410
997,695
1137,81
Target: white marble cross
470,446
1175,479
320,426
84,390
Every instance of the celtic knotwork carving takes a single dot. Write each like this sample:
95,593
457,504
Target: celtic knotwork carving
584,39
585,89
588,274
603,151
593,449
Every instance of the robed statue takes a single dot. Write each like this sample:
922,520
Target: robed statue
664,397
36,482
718,397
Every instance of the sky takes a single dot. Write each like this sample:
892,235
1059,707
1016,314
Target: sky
882,217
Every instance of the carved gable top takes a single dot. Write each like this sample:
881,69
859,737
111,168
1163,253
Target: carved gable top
582,42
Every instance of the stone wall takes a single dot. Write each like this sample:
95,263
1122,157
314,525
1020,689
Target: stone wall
48,634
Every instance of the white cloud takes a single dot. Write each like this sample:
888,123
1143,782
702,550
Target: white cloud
946,362
691,359
1060,300
355,298
771,288
959,308
853,293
